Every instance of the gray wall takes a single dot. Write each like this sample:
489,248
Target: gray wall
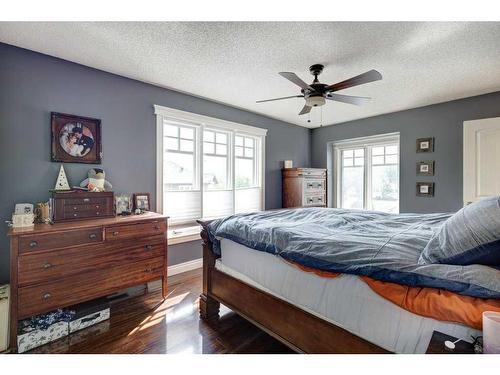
442,121
32,85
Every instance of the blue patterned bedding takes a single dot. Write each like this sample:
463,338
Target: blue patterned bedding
383,246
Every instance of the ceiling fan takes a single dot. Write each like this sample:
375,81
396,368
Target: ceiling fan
316,93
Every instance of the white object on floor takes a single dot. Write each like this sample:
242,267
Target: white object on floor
346,301
4,317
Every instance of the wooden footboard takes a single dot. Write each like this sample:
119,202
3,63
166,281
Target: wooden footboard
296,328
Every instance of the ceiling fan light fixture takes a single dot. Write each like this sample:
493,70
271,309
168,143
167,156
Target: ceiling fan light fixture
315,101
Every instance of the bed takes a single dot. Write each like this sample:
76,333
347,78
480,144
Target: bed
314,314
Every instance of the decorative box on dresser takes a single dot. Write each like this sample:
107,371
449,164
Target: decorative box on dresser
54,266
304,187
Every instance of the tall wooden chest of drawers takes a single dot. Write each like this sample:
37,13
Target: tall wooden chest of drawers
304,187
54,266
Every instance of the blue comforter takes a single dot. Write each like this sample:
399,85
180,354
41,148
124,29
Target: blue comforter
380,245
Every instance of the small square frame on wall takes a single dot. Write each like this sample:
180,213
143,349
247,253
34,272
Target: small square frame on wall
425,189
425,144
425,168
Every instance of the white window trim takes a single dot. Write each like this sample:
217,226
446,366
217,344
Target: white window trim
338,146
202,121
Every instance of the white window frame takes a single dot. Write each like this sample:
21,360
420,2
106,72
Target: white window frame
208,123
367,143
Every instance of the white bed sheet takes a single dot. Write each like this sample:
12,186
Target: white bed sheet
345,301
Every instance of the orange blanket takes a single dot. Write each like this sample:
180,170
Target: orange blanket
434,303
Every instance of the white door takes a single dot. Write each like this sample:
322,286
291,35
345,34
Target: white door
481,159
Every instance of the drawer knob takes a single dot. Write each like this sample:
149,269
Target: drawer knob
92,236
149,247
75,215
75,208
86,199
97,206
46,296
33,244
157,226
97,213
116,233
47,265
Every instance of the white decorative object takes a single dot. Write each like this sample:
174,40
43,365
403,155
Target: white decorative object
37,337
491,332
4,317
288,163
23,208
23,220
62,181
89,320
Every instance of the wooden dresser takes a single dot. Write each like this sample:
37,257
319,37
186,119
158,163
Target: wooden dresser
54,266
304,187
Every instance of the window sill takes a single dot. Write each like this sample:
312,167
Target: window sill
174,240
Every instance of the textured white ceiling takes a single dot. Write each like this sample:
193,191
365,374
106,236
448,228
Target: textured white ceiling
238,63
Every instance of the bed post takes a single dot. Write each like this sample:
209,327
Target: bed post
209,307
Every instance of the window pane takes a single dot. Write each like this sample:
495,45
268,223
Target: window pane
171,143
391,159
359,161
171,130
178,171
348,162
209,148
220,149
385,188
214,172
378,150
244,174
208,136
352,189
187,133
248,142
378,160
238,140
239,151
391,150
348,153
187,145
221,138
359,152
249,152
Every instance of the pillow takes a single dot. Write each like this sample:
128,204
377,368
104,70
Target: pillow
471,236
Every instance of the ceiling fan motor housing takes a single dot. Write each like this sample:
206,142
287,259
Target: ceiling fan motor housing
315,101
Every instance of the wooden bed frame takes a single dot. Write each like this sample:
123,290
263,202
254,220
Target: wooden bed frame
303,332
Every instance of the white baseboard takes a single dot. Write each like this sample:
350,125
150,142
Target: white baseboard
184,267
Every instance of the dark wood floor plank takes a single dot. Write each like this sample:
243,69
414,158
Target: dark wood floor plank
147,324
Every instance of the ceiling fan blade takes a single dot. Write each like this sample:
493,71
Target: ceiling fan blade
370,76
305,110
292,77
356,100
286,97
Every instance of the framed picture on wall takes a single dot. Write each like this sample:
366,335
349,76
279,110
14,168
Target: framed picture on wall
425,189
75,139
425,144
425,168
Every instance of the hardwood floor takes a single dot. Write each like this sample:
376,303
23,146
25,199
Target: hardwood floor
146,324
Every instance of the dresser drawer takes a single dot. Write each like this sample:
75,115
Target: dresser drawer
41,298
45,266
311,185
85,201
146,229
59,240
81,212
314,200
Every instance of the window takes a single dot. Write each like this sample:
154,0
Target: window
366,171
209,168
